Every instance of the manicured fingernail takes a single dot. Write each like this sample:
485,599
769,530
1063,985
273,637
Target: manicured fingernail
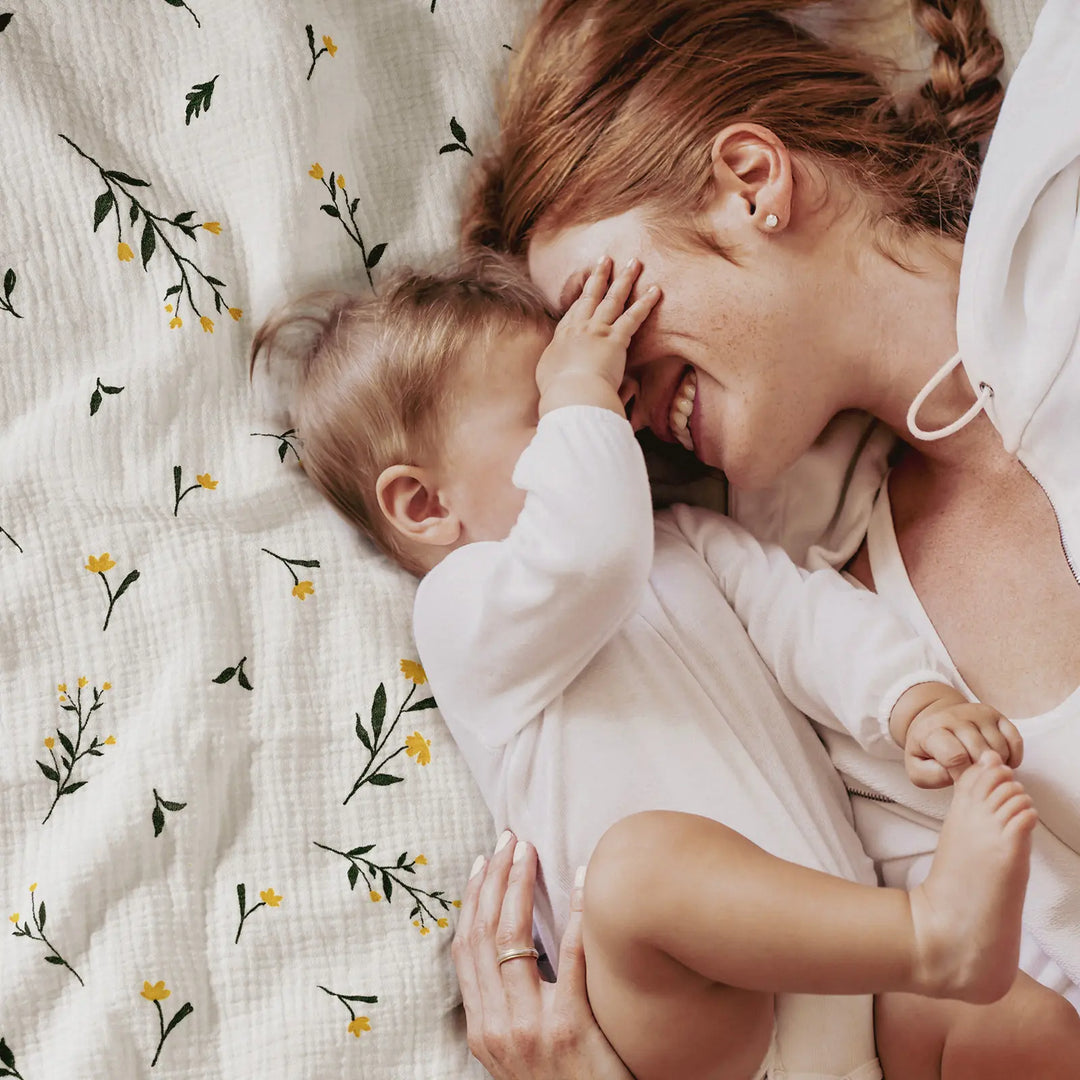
477,866
579,877
521,848
503,840
631,264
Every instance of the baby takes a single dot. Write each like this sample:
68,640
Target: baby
590,662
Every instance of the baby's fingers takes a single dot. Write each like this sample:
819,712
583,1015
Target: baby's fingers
927,773
946,749
1014,740
593,291
631,319
614,301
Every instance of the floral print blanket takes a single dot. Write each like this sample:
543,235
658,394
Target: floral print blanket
233,828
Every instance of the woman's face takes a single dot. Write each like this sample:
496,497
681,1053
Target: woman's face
752,333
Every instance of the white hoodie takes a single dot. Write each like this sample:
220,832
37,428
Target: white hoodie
1018,312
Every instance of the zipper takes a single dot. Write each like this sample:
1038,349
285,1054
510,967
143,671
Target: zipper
1061,534
873,796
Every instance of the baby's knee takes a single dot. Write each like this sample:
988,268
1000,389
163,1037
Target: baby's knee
634,867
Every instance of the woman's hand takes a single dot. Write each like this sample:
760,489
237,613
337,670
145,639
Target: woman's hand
520,1027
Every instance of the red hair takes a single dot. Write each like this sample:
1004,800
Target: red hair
613,105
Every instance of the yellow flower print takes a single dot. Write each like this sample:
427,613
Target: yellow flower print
205,481
175,322
63,697
269,897
302,589
341,181
207,324
331,48
236,313
99,565
168,307
316,171
50,742
361,1023
106,686
157,992
425,930
62,687
14,918
111,740
375,897
419,747
212,227
456,903
82,681
443,924
420,860
124,253
33,888
414,671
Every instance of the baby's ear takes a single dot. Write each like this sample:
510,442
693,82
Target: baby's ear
410,502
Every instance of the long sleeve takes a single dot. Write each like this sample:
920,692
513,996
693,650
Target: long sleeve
502,628
838,652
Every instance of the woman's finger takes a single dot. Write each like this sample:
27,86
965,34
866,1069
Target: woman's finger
614,302
465,961
495,1008
570,988
520,976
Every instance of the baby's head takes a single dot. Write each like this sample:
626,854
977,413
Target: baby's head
413,406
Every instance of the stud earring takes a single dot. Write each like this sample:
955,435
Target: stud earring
771,221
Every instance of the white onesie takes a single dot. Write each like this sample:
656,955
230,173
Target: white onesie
589,666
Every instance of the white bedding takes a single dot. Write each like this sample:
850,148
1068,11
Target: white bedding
210,103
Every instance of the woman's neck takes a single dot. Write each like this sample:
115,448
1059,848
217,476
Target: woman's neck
910,322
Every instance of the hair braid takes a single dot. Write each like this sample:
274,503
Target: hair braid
963,94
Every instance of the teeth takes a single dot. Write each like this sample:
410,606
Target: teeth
682,406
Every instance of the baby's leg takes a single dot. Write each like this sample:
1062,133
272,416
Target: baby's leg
1031,1033
681,908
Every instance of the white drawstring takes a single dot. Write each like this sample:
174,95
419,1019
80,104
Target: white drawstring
984,395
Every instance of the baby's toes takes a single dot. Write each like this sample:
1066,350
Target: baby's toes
1017,815
1003,792
988,773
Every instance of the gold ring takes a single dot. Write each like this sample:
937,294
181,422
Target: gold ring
513,954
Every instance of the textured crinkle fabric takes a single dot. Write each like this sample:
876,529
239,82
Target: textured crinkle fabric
244,824
232,823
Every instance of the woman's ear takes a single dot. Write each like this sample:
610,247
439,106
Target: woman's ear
753,176
410,502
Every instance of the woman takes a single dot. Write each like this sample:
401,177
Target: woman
808,237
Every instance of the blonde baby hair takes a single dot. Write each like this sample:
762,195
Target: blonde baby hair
375,374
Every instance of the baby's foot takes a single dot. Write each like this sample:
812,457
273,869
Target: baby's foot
967,913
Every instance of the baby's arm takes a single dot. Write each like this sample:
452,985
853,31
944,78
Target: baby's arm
503,627
845,658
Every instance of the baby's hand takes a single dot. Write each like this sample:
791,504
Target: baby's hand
585,361
950,733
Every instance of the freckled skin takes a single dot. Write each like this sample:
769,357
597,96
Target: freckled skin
734,324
